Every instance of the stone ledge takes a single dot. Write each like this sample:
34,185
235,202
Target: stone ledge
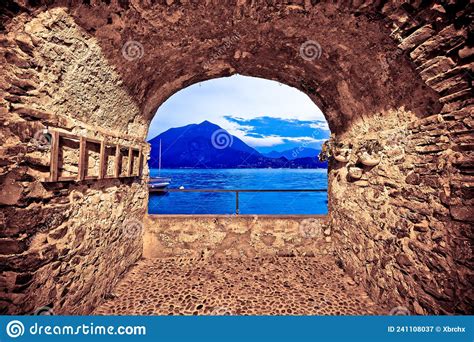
229,235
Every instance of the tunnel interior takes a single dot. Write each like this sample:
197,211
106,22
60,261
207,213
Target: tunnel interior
394,82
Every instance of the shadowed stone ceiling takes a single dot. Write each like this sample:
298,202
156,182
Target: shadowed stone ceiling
358,74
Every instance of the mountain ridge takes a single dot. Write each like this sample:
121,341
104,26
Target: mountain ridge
207,145
293,153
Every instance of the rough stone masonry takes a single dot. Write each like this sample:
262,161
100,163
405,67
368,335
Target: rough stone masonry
394,79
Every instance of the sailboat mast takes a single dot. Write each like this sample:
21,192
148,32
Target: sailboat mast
159,162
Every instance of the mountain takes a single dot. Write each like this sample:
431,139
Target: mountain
207,145
294,153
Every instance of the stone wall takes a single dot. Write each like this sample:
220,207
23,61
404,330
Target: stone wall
405,232
236,236
62,245
393,77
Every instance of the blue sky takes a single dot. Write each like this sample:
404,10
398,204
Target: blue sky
265,114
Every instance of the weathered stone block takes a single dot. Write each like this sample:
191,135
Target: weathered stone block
463,213
417,37
12,246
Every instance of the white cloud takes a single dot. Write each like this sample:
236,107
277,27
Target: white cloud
239,96
233,127
272,140
304,139
320,125
266,141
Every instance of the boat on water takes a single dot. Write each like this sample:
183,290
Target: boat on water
159,182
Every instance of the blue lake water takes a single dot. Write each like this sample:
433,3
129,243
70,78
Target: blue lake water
249,203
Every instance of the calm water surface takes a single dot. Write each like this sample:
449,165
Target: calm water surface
250,203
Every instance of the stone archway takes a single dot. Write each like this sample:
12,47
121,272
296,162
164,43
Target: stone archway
397,75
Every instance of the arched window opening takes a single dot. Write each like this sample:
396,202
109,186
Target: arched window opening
238,145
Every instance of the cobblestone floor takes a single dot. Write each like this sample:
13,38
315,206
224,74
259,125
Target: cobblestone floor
261,286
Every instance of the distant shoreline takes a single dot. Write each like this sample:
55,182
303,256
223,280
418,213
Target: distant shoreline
239,168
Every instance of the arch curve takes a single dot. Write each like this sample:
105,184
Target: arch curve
396,74
356,75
